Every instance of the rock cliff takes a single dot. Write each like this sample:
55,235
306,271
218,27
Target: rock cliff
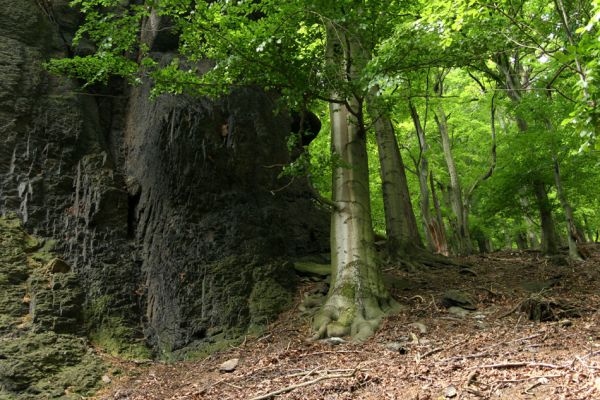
170,212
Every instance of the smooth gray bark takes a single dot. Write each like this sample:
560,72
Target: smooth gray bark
401,225
357,297
456,200
572,233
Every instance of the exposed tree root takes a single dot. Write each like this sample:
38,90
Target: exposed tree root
418,259
342,316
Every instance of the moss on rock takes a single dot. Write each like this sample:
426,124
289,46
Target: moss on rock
272,292
312,268
116,338
42,352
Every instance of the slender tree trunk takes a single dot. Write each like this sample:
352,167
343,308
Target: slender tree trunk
521,240
583,78
357,297
581,234
549,243
588,229
512,80
438,228
508,241
532,236
423,173
401,225
464,241
571,228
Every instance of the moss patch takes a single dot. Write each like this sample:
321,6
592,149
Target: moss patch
116,338
312,268
42,352
205,348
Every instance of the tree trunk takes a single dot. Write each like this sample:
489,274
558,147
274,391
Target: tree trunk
401,225
441,242
588,229
357,297
549,240
423,173
521,240
571,228
456,202
511,79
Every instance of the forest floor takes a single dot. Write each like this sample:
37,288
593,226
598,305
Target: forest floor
426,352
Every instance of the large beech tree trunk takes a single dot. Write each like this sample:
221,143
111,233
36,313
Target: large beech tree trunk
401,225
357,297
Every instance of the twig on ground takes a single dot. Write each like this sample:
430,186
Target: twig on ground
430,352
490,291
524,338
330,352
467,357
475,392
304,373
527,391
512,310
529,378
523,364
210,385
471,377
303,384
264,337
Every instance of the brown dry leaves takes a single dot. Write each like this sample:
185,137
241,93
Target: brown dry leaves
482,356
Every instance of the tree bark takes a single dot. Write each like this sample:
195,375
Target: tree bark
441,242
512,76
588,229
401,225
572,233
357,297
521,240
423,173
456,201
549,240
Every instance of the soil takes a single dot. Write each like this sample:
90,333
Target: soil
495,352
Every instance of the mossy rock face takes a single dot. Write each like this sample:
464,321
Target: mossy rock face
42,352
272,292
117,338
45,365
55,302
248,294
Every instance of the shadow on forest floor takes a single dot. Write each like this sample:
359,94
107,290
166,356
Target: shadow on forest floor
426,352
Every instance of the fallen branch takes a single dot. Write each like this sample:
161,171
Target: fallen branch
303,384
522,364
466,357
530,378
